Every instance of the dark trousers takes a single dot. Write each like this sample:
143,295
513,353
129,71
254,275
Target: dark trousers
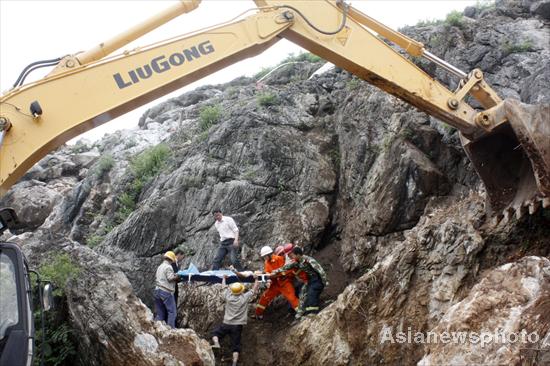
313,290
165,307
226,247
176,292
234,332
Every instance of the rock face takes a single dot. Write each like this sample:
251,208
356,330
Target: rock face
517,292
381,193
114,327
118,329
417,287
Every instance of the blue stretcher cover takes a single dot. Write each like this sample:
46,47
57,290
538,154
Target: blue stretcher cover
192,274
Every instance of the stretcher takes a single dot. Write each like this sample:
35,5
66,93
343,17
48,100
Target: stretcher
192,274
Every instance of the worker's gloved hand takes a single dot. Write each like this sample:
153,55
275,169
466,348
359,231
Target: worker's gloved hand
268,284
326,284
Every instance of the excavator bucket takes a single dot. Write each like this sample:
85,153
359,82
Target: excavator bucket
514,161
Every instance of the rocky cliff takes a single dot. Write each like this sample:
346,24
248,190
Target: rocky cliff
380,192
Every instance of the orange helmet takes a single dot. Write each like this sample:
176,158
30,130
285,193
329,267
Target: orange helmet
280,250
288,248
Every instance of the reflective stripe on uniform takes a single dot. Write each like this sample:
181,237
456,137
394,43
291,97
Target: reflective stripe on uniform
312,308
260,306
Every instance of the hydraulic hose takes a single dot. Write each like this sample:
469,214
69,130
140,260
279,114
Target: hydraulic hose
33,66
342,25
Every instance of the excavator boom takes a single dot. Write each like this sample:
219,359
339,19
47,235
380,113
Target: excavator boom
85,90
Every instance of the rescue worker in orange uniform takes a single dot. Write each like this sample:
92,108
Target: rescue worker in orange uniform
281,285
298,278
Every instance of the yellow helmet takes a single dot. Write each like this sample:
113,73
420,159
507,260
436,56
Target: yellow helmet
236,288
170,255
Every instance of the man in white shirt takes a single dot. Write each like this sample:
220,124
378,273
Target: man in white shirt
229,241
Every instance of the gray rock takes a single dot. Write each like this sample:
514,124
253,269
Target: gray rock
379,192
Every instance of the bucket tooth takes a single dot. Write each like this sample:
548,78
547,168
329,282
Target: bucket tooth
496,220
546,202
508,214
534,206
521,211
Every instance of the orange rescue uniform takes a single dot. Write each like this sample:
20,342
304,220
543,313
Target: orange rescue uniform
281,285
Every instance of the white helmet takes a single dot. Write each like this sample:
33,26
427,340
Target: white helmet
265,251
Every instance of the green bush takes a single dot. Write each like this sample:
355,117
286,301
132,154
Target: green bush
525,46
57,342
79,148
267,99
263,72
301,57
94,240
129,143
353,83
104,165
209,116
150,162
59,270
406,133
455,19
485,4
428,22
143,168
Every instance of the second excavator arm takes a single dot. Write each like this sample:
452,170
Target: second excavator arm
86,90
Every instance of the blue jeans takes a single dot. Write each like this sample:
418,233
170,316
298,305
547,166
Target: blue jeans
226,247
165,307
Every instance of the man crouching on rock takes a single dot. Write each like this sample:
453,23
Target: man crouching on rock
236,314
165,285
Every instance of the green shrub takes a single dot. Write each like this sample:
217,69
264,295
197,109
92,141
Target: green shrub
250,174
406,133
485,4
428,22
281,187
79,148
267,99
387,141
129,143
104,165
455,19
301,57
94,240
59,344
448,128
291,57
232,92
209,116
525,46
335,156
143,167
57,341
203,136
353,83
59,270
150,162
263,72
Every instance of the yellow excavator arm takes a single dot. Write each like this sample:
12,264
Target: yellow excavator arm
88,89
